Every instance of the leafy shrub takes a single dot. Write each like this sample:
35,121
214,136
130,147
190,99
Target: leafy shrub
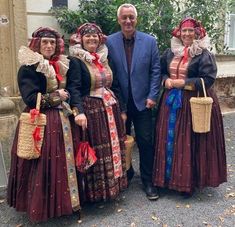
157,17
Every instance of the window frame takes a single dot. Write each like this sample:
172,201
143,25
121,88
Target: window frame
230,17
59,3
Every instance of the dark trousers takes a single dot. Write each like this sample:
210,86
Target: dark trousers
143,124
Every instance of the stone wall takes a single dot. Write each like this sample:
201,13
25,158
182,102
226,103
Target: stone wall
225,81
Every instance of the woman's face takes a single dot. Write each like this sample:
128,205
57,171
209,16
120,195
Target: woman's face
187,35
47,47
90,42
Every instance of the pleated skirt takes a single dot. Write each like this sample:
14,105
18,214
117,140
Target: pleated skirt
199,159
40,186
99,183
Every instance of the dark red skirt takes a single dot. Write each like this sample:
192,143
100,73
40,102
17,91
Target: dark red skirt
99,182
40,187
199,159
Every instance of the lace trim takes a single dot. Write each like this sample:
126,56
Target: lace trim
195,49
28,57
79,52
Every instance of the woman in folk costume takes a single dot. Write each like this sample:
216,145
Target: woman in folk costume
45,187
95,91
185,160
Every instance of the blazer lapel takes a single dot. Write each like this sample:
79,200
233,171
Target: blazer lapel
122,50
136,51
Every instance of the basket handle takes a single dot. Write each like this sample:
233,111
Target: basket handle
39,96
203,87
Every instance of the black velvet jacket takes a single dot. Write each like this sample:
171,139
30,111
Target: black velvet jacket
201,66
31,82
79,85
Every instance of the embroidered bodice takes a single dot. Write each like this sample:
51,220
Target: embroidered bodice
178,69
99,70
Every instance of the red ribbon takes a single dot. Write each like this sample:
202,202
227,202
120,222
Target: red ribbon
56,68
97,63
33,114
185,57
37,137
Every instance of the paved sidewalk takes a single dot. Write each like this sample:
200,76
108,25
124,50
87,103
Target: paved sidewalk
212,207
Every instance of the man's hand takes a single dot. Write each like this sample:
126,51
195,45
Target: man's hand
150,103
124,117
81,120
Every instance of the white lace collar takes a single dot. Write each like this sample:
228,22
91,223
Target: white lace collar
28,57
79,52
196,48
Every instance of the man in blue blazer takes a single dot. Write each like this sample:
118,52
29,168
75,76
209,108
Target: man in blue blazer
135,60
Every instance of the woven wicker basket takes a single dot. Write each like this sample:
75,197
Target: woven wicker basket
27,148
201,112
129,142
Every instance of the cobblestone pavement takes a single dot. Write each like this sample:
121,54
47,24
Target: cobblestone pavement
211,207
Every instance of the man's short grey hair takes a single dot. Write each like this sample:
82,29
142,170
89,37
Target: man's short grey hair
126,5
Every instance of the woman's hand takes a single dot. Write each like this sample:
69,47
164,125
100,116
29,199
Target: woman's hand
178,83
81,120
64,95
169,83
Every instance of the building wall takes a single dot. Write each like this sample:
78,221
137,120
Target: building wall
38,14
13,30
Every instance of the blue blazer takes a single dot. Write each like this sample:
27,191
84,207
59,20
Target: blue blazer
145,67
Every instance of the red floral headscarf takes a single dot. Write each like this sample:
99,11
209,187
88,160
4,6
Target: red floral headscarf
85,29
191,23
46,32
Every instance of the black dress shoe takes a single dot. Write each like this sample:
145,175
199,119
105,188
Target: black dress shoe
130,174
151,191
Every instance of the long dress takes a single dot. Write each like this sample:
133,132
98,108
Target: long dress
196,160
45,187
91,92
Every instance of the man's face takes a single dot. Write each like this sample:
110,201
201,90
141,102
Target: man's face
127,20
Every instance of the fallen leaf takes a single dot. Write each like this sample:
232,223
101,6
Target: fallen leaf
119,210
177,206
221,219
231,194
19,225
154,218
2,201
187,206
